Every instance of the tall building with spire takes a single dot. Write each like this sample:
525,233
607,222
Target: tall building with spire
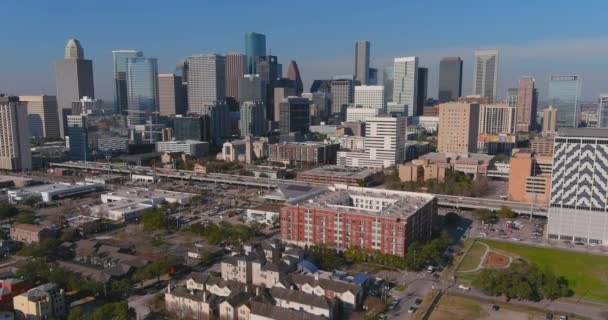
74,80
293,73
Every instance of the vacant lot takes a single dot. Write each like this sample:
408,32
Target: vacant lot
587,274
473,257
460,308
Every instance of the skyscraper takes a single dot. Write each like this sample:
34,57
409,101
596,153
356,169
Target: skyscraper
564,94
342,92
142,89
252,88
387,81
450,79
269,70
119,57
42,115
372,78
79,138
550,121
171,95
206,79
526,105
405,84
320,86
485,74
295,115
281,93
15,151
512,95
253,118
458,127
255,46
236,67
577,210
422,82
602,111
362,61
74,80
293,73
191,128
370,97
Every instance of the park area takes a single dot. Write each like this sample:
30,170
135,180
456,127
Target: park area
455,307
586,274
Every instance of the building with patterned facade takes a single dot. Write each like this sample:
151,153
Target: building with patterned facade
303,152
375,219
578,209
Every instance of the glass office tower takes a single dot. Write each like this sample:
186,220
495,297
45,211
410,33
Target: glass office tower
564,95
142,89
119,58
255,46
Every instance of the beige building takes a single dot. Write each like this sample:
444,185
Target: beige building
171,95
281,93
422,170
15,151
29,233
530,177
458,127
549,121
42,116
182,303
245,150
542,146
46,301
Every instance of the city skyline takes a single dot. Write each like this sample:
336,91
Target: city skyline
543,50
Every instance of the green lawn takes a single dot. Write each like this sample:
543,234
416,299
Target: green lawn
473,257
587,274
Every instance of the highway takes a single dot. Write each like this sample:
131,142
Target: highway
456,202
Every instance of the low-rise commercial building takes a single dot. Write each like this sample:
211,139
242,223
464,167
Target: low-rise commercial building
361,177
263,214
30,233
245,150
189,147
46,301
55,191
530,177
422,170
469,163
313,152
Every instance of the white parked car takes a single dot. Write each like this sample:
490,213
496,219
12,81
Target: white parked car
463,287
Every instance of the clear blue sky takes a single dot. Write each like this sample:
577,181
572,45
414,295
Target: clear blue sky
535,37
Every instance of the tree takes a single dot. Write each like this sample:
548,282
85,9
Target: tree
114,311
154,220
26,217
505,213
7,210
76,314
451,218
484,215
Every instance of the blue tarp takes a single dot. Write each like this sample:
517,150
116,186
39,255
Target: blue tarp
308,266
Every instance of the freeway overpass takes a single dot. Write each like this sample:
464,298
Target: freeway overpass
456,202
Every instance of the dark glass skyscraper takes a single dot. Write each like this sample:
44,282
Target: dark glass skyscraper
142,89
450,79
387,81
74,79
423,78
362,61
191,128
565,95
293,73
255,46
79,138
119,57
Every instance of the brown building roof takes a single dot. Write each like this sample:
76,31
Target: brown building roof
274,312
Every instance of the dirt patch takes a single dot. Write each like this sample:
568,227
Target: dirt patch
495,260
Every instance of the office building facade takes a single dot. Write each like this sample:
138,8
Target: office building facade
15,151
78,138
255,46
370,97
526,105
565,95
142,90
422,81
191,128
171,95
362,62
450,79
387,82
295,115
252,88
253,118
119,70
206,80
281,93
485,74
293,74
458,127
603,111
549,121
343,93
512,96
74,80
236,67
42,116
405,84
579,184
496,119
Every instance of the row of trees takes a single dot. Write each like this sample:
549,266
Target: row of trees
522,281
419,255
224,231
455,183
491,216
356,254
114,311
38,270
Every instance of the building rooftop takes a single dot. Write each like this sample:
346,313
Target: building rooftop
397,204
341,171
584,132
59,187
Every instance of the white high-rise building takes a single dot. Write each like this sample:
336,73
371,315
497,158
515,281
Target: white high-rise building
405,84
578,209
359,113
384,144
15,151
485,74
370,97
206,79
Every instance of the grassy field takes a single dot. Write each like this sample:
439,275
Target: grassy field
473,257
587,274
455,307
